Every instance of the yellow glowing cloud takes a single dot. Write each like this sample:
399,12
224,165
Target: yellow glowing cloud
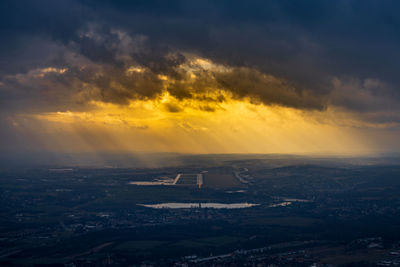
133,69
234,126
197,115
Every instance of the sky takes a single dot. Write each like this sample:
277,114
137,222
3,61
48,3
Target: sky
292,77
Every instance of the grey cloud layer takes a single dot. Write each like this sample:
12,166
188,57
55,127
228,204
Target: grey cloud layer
96,66
304,55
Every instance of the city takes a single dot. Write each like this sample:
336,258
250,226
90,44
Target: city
290,213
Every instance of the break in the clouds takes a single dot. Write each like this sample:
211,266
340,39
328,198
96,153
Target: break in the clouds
316,57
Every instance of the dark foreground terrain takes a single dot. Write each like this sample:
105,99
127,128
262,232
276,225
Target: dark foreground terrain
311,212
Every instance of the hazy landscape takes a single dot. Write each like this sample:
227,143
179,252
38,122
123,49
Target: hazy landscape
289,211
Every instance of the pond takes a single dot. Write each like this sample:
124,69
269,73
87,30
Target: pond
177,205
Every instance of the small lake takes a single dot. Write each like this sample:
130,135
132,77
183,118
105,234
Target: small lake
297,200
151,183
280,204
288,201
162,181
174,205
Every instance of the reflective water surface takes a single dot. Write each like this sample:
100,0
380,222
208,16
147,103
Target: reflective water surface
174,205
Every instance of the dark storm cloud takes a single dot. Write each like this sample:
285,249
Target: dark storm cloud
287,38
305,55
245,82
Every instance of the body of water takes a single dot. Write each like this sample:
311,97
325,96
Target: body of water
280,204
174,205
151,183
